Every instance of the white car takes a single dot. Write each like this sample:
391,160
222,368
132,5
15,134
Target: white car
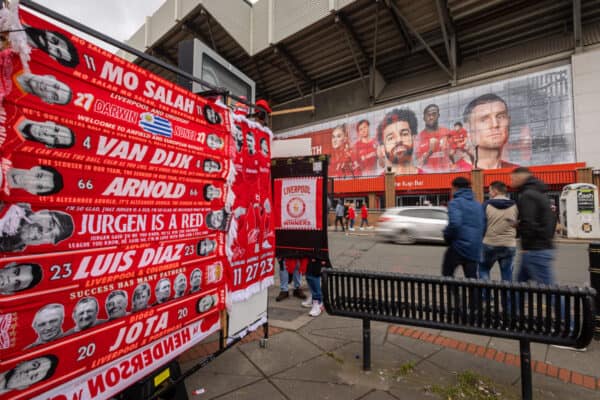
407,225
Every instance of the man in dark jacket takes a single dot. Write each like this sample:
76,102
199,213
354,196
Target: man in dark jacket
464,231
536,228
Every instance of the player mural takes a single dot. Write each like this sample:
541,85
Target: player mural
520,121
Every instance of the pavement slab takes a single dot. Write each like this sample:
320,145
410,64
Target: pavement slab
414,346
457,361
538,350
262,389
586,363
217,384
325,368
378,395
229,363
283,351
297,389
350,330
545,388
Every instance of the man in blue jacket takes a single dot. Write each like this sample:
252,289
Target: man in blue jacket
464,232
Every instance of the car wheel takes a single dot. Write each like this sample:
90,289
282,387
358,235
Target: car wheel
405,237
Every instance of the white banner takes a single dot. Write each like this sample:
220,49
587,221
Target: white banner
298,203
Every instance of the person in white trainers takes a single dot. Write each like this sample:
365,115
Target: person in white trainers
313,278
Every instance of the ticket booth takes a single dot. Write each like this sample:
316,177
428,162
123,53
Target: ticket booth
579,215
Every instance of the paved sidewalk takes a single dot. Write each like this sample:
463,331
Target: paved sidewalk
321,358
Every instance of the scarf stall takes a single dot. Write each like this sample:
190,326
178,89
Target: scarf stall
132,212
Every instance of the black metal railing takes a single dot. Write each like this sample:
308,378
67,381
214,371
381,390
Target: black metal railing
529,312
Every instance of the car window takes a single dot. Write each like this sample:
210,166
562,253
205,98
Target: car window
438,214
409,213
425,213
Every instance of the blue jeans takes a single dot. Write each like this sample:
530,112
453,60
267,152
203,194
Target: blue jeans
314,283
284,277
351,223
505,257
536,265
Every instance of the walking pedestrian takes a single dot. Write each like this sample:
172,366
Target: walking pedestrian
499,242
536,228
293,266
464,231
346,208
351,216
364,216
339,215
313,278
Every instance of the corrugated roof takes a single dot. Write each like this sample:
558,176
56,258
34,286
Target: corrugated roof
491,34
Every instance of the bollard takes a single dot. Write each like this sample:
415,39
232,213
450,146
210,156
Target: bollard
594,252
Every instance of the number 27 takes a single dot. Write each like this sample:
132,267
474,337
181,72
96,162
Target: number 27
84,100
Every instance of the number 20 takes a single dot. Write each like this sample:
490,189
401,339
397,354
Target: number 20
86,351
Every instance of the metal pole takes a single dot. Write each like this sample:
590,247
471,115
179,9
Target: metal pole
526,385
266,330
366,344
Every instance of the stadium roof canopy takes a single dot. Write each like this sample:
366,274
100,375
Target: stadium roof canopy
292,48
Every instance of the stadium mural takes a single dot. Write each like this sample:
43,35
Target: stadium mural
521,121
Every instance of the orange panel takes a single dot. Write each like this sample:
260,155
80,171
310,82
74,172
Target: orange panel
359,185
427,181
558,174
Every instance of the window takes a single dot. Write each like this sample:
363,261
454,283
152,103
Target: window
438,214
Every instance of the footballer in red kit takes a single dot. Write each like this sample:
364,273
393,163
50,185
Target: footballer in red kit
365,149
341,156
432,143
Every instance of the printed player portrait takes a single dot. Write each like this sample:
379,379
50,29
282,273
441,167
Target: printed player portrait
195,280
396,136
206,246
206,303
18,277
180,285
214,142
47,323
55,44
46,87
217,220
251,143
141,297
211,166
211,116
116,304
52,135
28,373
488,123
40,180
162,291
85,315
238,136
264,147
21,227
211,192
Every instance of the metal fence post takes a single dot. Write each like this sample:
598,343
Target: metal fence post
526,384
594,254
366,344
